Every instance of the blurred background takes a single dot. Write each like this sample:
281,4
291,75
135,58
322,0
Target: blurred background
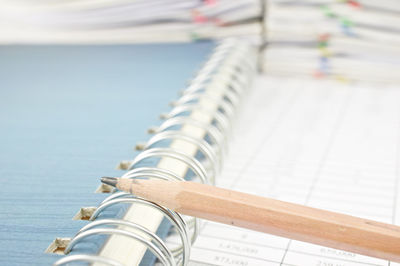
127,20
341,39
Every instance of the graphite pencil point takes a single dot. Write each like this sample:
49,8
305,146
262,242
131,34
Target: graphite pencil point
112,181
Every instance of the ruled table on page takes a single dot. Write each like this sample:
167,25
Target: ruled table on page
324,144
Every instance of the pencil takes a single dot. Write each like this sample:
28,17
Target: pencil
270,216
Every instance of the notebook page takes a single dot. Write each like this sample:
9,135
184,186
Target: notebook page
324,144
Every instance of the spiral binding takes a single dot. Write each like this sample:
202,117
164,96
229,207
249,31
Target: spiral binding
230,69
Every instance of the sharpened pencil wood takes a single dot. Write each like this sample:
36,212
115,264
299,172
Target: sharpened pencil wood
271,216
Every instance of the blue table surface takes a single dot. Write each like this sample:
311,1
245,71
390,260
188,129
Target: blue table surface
68,115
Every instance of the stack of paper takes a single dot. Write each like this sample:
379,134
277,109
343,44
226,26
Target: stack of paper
347,40
126,20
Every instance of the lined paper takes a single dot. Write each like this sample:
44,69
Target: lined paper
324,144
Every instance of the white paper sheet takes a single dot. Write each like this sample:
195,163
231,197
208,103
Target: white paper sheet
324,144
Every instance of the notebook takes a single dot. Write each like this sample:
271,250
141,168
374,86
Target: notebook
323,143
69,114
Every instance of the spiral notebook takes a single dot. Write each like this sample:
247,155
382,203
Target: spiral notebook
68,115
189,144
300,140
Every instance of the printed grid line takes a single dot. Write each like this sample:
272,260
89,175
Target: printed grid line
331,140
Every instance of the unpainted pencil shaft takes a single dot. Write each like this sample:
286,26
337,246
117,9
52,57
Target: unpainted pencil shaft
271,216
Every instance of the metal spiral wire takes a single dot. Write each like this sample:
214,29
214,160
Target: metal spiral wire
228,71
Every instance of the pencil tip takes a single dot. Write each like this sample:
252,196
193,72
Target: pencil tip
112,181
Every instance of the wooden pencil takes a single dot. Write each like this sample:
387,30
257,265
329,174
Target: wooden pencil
270,216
